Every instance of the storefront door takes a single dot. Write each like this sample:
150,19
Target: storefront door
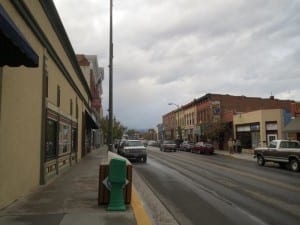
271,137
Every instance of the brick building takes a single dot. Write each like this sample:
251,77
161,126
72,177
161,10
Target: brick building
170,125
211,116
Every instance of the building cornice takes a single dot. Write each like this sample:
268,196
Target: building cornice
51,12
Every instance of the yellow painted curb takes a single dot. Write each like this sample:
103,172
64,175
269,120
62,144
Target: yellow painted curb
140,214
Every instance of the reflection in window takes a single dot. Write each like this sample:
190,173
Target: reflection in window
272,144
64,138
51,139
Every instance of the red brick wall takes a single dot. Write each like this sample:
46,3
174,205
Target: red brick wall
247,104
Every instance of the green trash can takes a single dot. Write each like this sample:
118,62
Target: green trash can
117,181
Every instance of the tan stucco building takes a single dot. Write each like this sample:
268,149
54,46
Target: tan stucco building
45,106
188,121
259,127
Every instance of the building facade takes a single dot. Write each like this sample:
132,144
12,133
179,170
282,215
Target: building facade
45,102
292,130
160,131
260,127
97,77
187,121
213,116
170,125
94,76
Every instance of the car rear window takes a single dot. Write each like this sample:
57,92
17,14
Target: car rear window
134,143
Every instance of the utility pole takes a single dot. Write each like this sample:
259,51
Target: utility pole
110,130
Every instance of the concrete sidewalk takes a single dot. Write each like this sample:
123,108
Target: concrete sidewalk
248,155
70,199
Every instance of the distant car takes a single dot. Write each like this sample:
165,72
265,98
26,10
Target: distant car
133,149
119,145
152,143
203,147
168,146
186,146
145,142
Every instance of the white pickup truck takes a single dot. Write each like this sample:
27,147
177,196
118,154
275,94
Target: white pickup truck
280,151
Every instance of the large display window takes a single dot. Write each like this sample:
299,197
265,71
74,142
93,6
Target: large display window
64,138
51,139
74,139
61,136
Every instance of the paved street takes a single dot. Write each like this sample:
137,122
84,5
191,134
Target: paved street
218,189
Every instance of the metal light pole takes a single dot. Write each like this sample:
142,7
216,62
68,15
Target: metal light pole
178,124
110,125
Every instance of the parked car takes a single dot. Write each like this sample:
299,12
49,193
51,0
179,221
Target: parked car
133,149
119,145
203,147
186,146
168,146
283,152
145,142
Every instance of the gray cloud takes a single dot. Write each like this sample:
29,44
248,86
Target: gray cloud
178,50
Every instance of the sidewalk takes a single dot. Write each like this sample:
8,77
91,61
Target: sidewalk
70,199
244,155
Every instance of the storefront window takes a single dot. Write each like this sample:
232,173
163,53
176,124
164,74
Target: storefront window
64,138
271,126
243,128
51,139
88,140
74,139
255,137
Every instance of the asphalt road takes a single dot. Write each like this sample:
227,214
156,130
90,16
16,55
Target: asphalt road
216,189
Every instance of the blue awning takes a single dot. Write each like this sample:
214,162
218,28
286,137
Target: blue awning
14,49
293,126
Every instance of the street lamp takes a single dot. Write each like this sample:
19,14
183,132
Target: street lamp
178,124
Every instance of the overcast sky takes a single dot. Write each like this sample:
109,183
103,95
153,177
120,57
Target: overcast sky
178,50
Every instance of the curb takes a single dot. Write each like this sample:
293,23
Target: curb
140,214
245,156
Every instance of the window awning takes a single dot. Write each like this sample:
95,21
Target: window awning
90,121
14,49
293,126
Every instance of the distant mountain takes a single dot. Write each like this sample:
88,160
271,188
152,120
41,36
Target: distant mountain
142,130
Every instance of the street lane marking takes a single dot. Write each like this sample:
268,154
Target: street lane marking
140,214
291,208
284,205
273,182
266,180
